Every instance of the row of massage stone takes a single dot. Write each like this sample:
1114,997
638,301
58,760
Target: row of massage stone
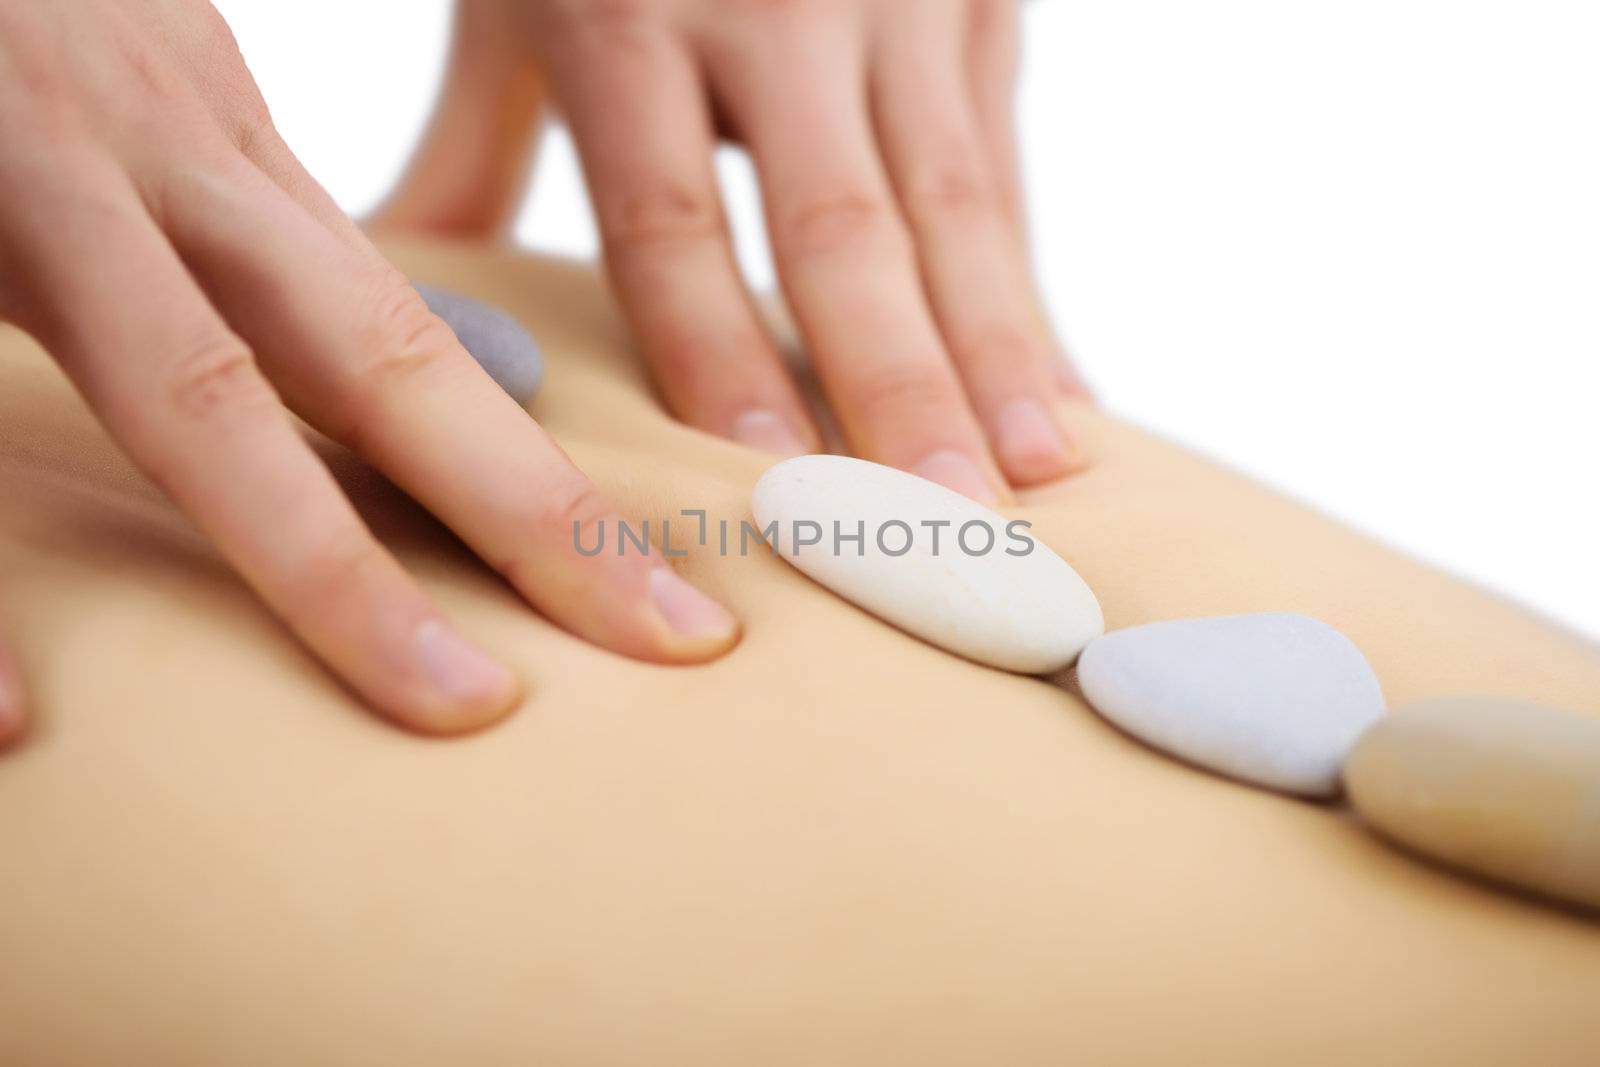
1508,790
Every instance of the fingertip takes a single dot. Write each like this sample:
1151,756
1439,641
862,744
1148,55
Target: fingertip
768,431
694,627
467,688
1031,446
955,470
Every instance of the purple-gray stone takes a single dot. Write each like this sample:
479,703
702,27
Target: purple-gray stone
496,340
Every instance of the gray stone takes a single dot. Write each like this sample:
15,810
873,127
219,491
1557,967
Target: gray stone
496,340
1272,699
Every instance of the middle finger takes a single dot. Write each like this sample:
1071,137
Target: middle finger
976,269
796,92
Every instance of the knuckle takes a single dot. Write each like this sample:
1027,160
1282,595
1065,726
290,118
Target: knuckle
333,575
893,395
250,122
613,20
403,338
237,99
39,104
952,193
833,222
1001,348
578,504
155,77
691,362
218,377
33,69
41,84
209,173
403,346
666,214
675,351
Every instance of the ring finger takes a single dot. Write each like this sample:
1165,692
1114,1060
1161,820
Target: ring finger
842,252
973,262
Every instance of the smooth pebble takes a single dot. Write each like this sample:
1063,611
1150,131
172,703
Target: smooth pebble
1505,789
1272,699
496,340
932,562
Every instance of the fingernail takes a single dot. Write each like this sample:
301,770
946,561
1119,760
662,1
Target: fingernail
765,430
687,610
459,669
955,471
1029,442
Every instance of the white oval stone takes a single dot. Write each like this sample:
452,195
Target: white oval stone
1274,699
925,562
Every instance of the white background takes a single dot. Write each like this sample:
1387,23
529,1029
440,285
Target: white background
1353,248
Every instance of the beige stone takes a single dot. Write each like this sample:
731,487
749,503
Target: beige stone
1506,789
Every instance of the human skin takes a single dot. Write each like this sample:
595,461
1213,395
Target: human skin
835,845
881,133
198,287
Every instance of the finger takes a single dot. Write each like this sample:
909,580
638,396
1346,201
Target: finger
356,352
976,272
992,53
643,129
179,390
843,254
467,176
13,712
235,102
260,143
993,47
501,346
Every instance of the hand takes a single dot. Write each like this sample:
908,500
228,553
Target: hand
882,134
160,240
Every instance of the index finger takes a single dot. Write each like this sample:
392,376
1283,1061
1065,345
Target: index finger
182,393
361,357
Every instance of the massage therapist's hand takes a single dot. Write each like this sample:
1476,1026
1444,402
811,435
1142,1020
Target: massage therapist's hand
192,279
882,134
